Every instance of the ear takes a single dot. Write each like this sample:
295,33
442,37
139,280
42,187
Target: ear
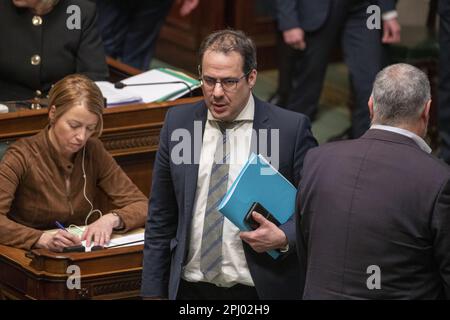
425,115
370,104
252,78
52,114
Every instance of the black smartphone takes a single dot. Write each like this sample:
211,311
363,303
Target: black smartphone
256,206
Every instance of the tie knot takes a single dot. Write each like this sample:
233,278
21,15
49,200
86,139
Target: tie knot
224,125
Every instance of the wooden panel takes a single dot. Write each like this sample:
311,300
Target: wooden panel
180,38
119,71
41,274
260,27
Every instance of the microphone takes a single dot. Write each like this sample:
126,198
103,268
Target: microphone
121,85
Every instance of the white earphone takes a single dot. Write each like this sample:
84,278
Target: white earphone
84,191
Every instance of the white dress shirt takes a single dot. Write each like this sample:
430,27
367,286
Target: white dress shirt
418,140
234,264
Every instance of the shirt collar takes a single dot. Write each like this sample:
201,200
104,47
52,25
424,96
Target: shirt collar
418,140
247,114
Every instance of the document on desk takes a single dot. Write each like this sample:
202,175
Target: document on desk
151,86
116,97
132,238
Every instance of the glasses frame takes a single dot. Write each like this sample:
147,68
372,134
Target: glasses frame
236,81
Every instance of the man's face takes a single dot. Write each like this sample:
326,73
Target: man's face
226,104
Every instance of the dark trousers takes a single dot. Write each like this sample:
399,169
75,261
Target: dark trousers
206,291
130,28
444,79
286,59
363,54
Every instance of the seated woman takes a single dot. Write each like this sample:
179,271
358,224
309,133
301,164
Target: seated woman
42,41
55,174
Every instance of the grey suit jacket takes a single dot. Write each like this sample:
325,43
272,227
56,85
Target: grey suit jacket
378,201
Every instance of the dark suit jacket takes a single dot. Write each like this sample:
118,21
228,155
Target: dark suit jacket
173,195
378,200
62,51
310,15
444,78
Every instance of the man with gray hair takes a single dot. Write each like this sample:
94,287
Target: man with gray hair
374,213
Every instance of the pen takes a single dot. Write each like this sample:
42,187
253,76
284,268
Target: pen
60,226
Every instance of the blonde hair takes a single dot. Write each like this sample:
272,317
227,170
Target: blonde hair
73,90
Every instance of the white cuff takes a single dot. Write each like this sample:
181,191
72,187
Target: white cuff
388,15
285,249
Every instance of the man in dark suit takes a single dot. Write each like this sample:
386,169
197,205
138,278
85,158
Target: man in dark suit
185,192
375,211
314,28
444,79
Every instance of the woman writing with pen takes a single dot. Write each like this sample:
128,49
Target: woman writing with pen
55,174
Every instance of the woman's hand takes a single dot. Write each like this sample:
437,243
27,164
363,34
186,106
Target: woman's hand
56,242
101,230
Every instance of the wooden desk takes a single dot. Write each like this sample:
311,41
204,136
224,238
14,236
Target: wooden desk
41,274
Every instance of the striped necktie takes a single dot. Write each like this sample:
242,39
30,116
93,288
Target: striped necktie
211,249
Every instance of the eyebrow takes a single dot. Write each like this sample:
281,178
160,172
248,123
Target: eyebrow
79,123
224,78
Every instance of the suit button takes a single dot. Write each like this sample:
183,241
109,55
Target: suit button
37,21
35,60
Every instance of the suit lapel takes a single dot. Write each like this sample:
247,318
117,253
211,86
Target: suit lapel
191,170
260,121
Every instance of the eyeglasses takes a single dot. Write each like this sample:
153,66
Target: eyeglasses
228,84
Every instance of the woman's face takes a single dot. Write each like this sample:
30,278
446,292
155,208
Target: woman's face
39,7
71,131
26,3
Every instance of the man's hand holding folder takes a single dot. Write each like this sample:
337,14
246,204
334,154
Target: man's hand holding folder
266,237
260,183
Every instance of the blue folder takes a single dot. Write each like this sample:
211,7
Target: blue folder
259,182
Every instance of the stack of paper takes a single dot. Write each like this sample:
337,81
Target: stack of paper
150,88
131,238
122,240
115,96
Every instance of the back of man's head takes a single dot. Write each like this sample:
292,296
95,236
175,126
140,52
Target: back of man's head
400,94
